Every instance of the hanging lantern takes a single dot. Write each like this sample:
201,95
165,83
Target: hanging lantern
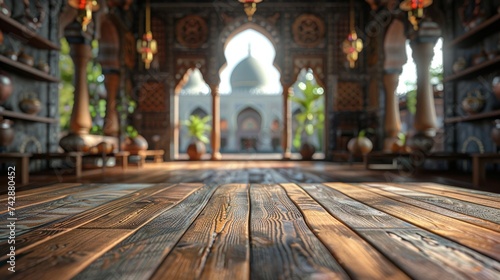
415,9
250,7
353,45
147,46
85,9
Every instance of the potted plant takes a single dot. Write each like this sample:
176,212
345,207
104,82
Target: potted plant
197,129
134,141
360,145
310,117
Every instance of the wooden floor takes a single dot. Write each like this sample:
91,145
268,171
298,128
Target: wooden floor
259,221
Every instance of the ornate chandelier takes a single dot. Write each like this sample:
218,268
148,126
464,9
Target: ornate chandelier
415,9
250,7
147,46
85,9
353,45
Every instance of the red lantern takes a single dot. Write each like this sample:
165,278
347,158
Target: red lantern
250,7
85,9
415,9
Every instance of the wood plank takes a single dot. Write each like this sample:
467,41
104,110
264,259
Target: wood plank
412,250
418,262
456,205
68,222
478,238
351,250
139,211
137,256
64,256
216,245
24,192
283,247
475,196
354,213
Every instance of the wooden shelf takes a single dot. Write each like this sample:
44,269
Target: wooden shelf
475,70
21,32
25,117
478,33
26,70
475,117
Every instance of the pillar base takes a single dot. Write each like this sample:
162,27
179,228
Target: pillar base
216,156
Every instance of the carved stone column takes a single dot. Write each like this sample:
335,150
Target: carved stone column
425,124
215,122
392,122
287,124
111,122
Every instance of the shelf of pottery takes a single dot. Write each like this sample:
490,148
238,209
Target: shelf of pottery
21,63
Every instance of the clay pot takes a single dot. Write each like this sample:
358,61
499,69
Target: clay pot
359,146
134,145
30,106
479,58
104,148
459,65
421,142
473,102
72,143
196,150
495,86
6,132
25,58
307,151
10,54
44,67
5,88
495,133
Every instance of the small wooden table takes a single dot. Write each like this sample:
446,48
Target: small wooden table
21,162
157,154
121,156
74,157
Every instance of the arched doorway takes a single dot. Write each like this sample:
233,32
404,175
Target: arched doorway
248,134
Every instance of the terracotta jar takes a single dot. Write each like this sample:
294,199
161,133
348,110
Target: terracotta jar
495,133
5,88
25,58
6,132
134,145
105,148
196,150
307,151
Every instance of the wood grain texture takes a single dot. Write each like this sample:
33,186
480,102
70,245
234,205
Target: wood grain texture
137,256
64,256
23,193
35,232
428,256
486,200
478,238
216,245
354,213
283,247
139,211
452,189
477,212
351,250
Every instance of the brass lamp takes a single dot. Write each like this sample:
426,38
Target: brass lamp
415,9
250,7
353,45
147,46
85,9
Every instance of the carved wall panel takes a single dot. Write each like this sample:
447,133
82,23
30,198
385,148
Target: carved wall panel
316,63
152,97
308,31
160,35
191,31
349,97
185,62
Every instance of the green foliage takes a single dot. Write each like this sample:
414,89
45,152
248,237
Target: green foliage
131,132
198,127
311,115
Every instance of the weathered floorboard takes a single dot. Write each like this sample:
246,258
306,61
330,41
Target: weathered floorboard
216,245
283,247
478,238
137,256
391,193
349,249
